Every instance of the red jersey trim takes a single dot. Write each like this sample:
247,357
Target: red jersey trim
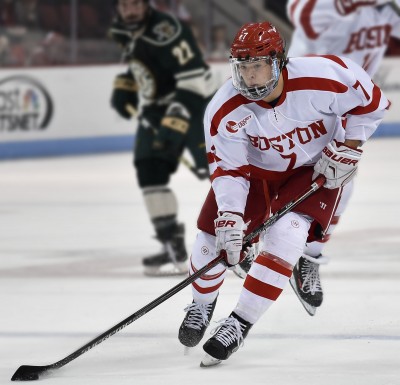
292,10
229,106
376,99
305,20
243,172
320,84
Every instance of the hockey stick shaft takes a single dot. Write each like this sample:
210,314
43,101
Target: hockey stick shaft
193,169
28,372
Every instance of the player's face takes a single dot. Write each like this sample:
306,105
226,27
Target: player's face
255,74
132,11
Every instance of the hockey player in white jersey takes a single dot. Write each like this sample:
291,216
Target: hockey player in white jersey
269,131
359,30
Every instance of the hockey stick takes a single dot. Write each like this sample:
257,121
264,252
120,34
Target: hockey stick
30,372
200,175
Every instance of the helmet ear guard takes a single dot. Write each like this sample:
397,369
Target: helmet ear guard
257,42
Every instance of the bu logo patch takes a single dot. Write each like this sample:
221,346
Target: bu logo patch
233,127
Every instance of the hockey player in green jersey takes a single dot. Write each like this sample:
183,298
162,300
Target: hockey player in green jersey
166,87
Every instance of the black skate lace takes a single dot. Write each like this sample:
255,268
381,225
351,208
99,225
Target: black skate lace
228,331
198,315
310,275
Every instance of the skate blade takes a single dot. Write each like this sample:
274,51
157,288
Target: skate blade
168,270
311,310
187,350
209,361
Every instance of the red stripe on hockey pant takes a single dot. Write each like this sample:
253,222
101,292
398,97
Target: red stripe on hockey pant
261,289
207,290
274,263
206,277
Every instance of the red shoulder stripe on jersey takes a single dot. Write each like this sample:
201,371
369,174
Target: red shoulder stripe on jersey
305,20
261,289
336,59
241,172
320,84
270,261
376,98
225,109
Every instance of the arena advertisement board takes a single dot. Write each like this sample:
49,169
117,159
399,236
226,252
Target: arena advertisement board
66,110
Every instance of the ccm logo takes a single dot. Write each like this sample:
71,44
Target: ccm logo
339,159
225,223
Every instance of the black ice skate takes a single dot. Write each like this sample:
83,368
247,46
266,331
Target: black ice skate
228,338
306,283
195,323
172,260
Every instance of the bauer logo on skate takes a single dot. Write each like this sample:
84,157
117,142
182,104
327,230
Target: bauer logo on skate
232,126
25,105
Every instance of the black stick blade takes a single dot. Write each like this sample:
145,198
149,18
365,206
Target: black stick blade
28,373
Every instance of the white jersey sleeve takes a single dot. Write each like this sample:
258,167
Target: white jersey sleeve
360,101
227,147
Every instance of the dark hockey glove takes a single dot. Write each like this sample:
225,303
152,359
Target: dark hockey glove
170,138
124,98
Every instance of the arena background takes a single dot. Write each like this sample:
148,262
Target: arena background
56,77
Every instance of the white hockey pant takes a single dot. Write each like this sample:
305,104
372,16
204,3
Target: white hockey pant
282,246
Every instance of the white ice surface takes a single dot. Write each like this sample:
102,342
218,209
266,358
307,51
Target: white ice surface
72,235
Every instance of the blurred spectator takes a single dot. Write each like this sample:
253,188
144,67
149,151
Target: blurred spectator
26,11
175,7
220,43
278,8
53,50
198,36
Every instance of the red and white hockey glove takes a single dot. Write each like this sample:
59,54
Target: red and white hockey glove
229,232
338,163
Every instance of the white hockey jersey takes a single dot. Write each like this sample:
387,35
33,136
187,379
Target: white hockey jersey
329,27
247,139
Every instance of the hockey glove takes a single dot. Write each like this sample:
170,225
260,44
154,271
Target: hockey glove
170,138
338,163
229,232
124,98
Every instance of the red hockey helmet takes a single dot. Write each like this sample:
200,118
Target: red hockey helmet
257,43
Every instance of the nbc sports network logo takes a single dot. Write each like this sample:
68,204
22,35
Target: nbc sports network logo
25,105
